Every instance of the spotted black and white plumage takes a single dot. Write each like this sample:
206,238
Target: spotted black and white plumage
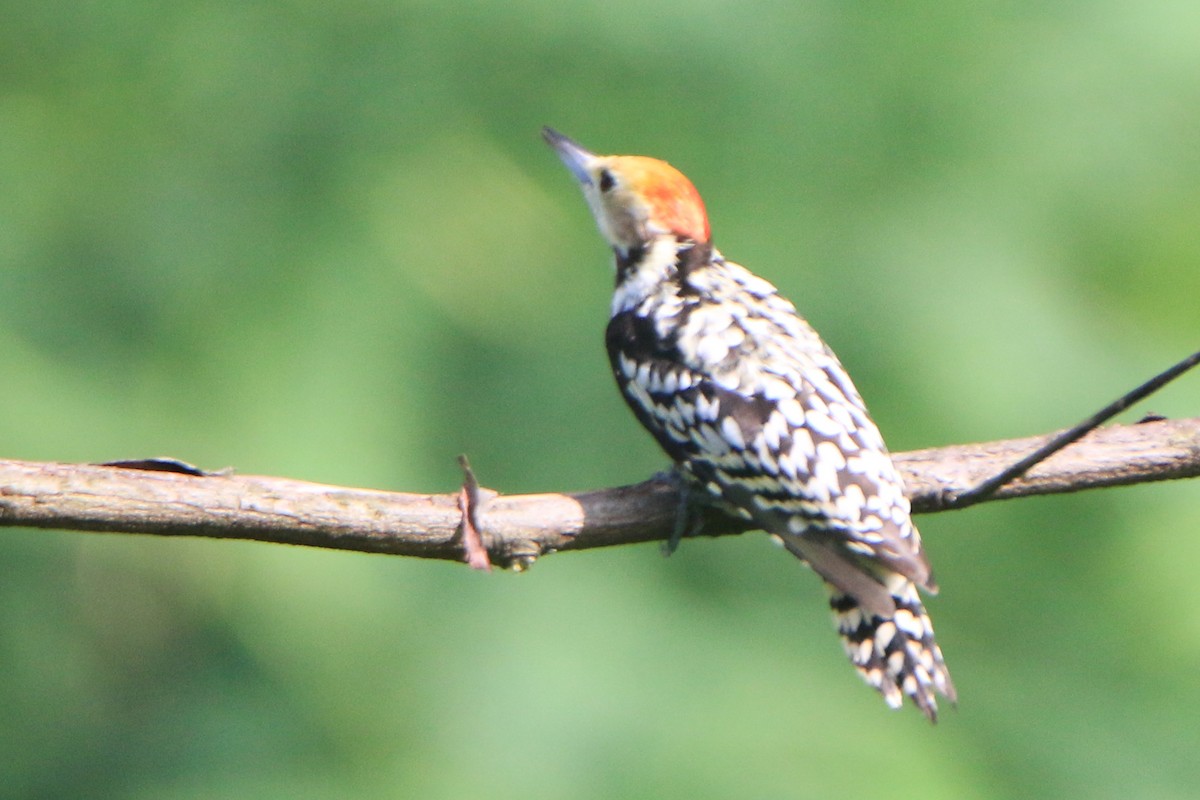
758,412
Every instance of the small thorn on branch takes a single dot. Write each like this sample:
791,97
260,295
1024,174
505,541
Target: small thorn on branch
474,551
165,464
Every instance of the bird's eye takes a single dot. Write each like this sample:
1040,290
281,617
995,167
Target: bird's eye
607,181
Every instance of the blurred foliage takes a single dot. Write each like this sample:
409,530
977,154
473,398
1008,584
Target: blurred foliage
324,241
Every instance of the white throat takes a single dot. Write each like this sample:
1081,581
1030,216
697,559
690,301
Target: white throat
648,276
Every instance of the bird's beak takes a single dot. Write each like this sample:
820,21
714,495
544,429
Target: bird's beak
577,159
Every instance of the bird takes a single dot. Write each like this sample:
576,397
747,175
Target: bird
759,416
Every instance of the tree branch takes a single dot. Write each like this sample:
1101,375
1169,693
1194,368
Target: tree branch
138,497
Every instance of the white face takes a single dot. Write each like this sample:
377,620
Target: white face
621,214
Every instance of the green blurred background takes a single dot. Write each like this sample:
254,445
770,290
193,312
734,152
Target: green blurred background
325,241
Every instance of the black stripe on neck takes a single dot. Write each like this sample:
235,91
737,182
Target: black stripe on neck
689,255
629,260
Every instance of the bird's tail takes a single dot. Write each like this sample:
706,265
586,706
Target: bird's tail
896,654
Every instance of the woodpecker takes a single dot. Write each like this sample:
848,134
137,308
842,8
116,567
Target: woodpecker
759,416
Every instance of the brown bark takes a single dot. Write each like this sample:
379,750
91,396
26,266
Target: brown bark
516,529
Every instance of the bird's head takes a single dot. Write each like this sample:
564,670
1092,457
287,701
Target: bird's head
634,199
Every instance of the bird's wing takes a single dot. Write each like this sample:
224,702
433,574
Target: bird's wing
761,412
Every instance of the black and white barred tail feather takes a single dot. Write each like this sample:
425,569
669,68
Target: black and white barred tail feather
895,654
